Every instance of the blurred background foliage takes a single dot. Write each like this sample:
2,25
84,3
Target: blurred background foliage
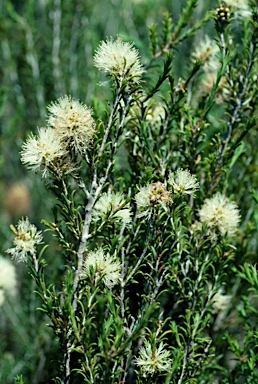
47,48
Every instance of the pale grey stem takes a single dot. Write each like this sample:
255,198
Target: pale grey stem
36,263
110,120
87,364
93,194
36,267
66,379
239,100
138,262
12,72
73,53
158,285
134,237
184,365
32,59
210,294
199,278
202,358
122,293
88,51
128,358
57,14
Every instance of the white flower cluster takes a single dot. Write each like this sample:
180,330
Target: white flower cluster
223,92
221,216
153,359
104,266
7,279
42,151
119,58
27,237
70,130
220,306
150,196
155,113
183,182
207,52
72,122
112,205
220,301
240,8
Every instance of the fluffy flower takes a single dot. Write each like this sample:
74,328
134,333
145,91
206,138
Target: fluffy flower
72,122
220,301
26,238
206,52
221,304
220,214
112,205
183,182
151,195
153,359
155,113
7,279
154,109
240,8
118,58
222,94
40,152
104,265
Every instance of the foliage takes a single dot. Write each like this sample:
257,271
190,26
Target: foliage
148,272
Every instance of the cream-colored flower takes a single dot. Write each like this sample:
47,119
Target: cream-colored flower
183,182
153,359
220,307
104,266
112,205
222,94
119,58
240,8
155,113
220,301
206,52
26,238
72,122
151,195
220,214
42,151
7,279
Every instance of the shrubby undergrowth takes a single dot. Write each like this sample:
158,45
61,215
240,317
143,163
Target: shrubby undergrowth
155,214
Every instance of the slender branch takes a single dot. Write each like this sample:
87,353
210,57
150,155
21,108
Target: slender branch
186,352
142,255
235,115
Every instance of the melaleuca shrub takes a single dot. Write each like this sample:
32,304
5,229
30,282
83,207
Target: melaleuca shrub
155,213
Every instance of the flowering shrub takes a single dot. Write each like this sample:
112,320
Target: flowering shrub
155,214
